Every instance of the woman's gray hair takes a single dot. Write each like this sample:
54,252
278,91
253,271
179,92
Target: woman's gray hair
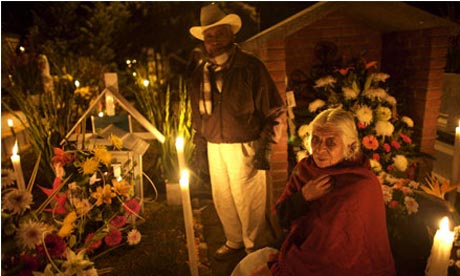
343,121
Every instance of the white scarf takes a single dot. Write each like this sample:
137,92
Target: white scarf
211,67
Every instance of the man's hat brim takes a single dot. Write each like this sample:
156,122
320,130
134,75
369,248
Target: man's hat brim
231,19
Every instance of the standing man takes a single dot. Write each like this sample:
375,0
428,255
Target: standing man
236,115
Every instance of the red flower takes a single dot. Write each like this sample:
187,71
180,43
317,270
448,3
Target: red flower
118,221
390,168
395,144
371,64
132,206
344,71
376,157
29,264
386,147
361,125
94,244
370,142
60,156
113,238
405,138
393,204
55,245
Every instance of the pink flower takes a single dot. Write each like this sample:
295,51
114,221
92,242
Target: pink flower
393,204
113,238
361,125
376,157
386,147
405,138
395,144
94,244
132,206
118,221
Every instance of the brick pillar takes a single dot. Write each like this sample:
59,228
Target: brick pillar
415,61
274,57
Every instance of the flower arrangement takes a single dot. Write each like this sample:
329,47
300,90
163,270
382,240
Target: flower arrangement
359,87
89,210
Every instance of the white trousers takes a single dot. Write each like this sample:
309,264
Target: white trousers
239,193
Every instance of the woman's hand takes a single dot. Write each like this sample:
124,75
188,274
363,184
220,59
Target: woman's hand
262,270
317,187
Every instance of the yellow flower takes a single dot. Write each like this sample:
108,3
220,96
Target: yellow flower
89,166
121,187
83,92
103,195
103,155
383,113
67,225
116,141
436,189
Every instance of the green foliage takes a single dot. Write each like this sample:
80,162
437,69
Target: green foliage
166,105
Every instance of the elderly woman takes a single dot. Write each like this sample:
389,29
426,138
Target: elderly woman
333,209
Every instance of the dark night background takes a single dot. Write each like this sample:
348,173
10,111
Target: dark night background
158,24
16,16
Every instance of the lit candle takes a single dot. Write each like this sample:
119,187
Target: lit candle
180,152
16,160
109,106
456,158
188,221
438,261
10,124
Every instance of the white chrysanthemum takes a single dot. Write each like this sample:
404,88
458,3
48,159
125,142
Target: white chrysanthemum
375,165
375,94
384,128
377,77
17,201
301,155
324,81
8,178
387,193
302,132
411,205
400,163
30,233
413,185
408,121
349,93
315,105
364,114
383,113
134,237
391,100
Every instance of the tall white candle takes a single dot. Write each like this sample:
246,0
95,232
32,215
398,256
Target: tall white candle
180,152
456,158
109,105
16,160
188,221
438,261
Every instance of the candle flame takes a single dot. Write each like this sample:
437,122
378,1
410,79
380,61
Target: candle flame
184,178
444,224
146,83
180,143
10,122
15,148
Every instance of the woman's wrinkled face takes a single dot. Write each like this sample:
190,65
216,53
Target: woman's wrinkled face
327,146
217,40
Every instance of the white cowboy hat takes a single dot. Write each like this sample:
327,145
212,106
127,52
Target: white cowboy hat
212,16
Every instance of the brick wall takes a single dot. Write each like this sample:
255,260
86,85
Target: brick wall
416,60
349,36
